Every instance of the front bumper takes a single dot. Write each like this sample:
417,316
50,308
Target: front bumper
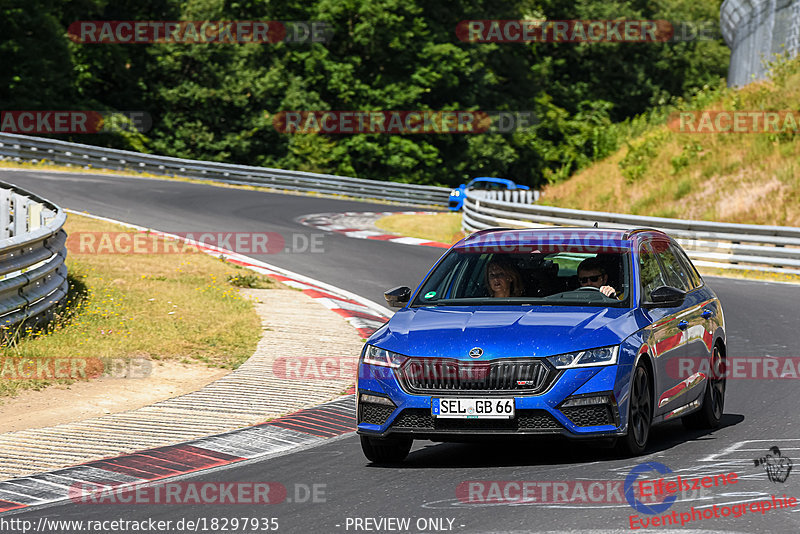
410,414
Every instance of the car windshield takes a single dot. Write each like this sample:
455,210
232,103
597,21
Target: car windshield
563,278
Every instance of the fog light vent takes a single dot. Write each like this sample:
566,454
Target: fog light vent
374,410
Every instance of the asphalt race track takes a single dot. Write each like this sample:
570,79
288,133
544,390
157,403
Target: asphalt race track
428,490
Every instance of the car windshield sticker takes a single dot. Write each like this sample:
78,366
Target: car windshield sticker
430,294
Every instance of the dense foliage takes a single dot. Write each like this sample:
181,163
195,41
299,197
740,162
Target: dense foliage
217,101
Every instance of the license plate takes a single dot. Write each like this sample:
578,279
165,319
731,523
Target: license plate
472,408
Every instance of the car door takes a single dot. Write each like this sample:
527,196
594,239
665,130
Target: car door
693,320
682,369
703,308
666,337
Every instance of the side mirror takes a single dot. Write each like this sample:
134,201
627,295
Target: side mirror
398,296
666,297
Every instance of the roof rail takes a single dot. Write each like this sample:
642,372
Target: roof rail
629,233
487,230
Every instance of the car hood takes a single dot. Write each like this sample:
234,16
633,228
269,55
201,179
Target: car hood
505,331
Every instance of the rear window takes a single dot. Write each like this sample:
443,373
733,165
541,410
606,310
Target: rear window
695,280
674,270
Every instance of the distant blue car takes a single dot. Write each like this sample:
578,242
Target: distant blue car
587,333
483,184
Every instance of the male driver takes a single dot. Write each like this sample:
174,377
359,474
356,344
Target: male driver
592,273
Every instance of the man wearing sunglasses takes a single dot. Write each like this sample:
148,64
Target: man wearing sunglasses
592,273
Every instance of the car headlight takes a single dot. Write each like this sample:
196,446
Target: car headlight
376,356
586,358
455,193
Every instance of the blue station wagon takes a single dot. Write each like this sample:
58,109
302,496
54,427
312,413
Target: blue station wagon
574,331
485,183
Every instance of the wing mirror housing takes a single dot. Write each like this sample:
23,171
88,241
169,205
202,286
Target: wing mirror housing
666,297
398,297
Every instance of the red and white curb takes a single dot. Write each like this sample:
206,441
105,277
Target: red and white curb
297,430
360,225
82,483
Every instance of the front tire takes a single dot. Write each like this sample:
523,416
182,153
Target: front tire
386,450
640,414
710,413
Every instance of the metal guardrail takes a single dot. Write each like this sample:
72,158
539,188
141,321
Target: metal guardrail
755,31
516,196
26,148
709,244
33,276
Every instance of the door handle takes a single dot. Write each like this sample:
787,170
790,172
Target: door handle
683,325
708,314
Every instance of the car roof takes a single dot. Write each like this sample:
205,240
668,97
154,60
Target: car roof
490,179
579,235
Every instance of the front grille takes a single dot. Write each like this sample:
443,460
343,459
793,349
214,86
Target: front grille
589,415
420,419
375,414
435,375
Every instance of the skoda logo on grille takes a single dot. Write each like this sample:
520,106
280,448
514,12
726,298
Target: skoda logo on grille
477,352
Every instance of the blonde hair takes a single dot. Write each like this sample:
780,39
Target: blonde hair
510,270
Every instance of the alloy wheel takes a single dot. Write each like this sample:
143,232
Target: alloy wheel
717,383
640,406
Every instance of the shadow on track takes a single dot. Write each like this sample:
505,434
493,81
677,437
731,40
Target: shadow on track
546,450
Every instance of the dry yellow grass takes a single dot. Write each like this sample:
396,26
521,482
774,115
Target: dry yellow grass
742,178
154,306
44,165
441,227
750,275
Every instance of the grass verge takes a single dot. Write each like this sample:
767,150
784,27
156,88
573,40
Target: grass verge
441,227
750,275
181,307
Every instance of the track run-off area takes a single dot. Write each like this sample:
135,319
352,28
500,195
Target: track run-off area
330,486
